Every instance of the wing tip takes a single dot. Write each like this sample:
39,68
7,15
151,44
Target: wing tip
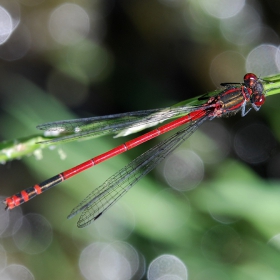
83,223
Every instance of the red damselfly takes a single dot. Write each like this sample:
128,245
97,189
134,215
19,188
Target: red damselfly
234,97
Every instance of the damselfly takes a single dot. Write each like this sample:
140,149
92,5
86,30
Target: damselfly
234,97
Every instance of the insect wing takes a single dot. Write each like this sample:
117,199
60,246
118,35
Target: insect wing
98,201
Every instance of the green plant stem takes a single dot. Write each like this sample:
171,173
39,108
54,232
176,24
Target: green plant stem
17,148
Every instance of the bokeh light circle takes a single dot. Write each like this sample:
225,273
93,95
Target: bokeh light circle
3,258
17,46
110,228
8,220
222,8
242,29
32,234
183,170
4,218
6,25
14,10
115,261
16,271
262,60
166,266
254,143
214,145
69,24
122,255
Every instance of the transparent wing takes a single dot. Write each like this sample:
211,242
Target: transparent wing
123,124
98,201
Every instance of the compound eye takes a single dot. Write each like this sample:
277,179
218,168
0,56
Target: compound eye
259,100
250,79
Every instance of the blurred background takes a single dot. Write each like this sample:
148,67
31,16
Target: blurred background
209,211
